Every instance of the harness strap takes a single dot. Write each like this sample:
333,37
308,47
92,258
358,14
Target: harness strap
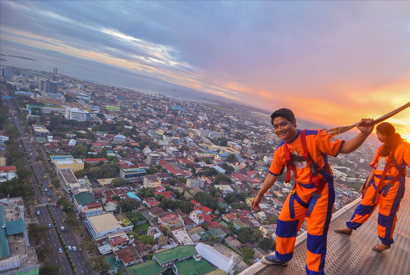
288,162
319,184
306,156
386,168
316,195
294,197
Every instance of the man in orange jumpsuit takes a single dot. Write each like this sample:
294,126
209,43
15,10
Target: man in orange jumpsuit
305,152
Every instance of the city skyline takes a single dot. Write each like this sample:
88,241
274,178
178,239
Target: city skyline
332,63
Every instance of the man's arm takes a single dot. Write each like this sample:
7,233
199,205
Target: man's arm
269,181
365,126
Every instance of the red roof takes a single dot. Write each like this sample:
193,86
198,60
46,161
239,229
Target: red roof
207,218
95,160
117,240
205,209
194,202
7,168
213,224
93,205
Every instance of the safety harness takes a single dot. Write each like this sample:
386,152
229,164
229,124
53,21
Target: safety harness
314,177
391,162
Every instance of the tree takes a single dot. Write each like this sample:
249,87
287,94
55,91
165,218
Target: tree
56,183
222,178
186,206
204,226
23,173
128,204
98,264
245,235
44,251
266,244
168,204
273,219
100,116
87,244
109,170
152,170
50,269
79,151
79,174
146,239
65,204
118,182
71,220
230,198
214,192
116,198
247,253
206,199
36,231
231,158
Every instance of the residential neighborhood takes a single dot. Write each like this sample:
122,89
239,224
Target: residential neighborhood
147,184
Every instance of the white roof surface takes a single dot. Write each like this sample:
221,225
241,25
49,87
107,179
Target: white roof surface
104,222
214,257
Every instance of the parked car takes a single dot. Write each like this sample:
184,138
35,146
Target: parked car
60,250
62,228
49,225
74,248
69,248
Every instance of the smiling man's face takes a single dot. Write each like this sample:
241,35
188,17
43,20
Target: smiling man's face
284,129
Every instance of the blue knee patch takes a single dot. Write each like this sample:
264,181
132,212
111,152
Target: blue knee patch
316,244
287,229
363,209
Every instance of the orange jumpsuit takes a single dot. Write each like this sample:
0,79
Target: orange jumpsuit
295,208
389,196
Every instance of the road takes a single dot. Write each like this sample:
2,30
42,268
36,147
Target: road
69,237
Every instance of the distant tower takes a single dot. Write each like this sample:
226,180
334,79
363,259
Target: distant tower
55,71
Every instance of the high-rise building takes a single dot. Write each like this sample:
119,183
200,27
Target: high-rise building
134,106
6,72
152,159
77,114
43,85
53,87
55,72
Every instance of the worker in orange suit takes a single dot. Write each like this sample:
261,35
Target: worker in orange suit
306,153
384,186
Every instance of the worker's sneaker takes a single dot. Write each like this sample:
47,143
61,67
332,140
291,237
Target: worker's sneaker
344,230
271,259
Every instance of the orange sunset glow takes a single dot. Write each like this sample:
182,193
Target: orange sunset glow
347,67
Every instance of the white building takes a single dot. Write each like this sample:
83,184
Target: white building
195,182
182,237
151,181
102,225
172,150
3,138
76,114
152,159
197,217
120,139
215,257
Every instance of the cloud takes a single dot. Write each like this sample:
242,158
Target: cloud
330,61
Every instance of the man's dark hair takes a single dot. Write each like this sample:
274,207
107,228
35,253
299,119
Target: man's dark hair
284,112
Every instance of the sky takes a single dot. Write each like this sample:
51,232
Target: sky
332,62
